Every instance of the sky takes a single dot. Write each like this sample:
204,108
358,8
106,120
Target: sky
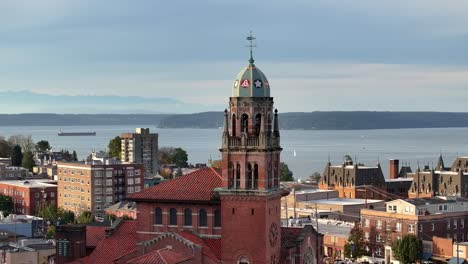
321,55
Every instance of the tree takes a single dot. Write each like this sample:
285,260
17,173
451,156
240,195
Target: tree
355,245
74,156
6,204
5,149
315,177
16,156
56,215
180,158
285,173
51,230
115,147
85,218
177,156
28,161
43,146
216,164
25,142
408,249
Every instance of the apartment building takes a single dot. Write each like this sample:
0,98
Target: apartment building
93,187
29,195
141,147
423,217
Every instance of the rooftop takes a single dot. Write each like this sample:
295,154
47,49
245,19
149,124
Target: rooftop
31,183
399,180
196,186
343,201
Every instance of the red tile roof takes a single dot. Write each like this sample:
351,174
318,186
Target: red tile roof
162,256
211,246
94,235
196,186
122,241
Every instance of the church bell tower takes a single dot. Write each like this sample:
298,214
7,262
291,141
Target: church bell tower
251,194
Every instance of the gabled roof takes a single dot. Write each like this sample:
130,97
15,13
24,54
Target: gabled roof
162,256
211,247
196,186
94,235
122,241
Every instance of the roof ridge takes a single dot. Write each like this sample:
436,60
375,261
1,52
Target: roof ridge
216,172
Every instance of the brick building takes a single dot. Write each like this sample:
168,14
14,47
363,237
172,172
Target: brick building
141,147
423,217
29,195
230,215
450,181
366,182
93,187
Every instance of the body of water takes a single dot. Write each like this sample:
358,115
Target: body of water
313,147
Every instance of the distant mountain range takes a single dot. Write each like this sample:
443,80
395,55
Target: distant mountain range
31,102
307,121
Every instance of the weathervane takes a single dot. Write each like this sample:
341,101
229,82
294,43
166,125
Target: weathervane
251,38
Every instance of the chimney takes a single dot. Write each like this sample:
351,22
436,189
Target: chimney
394,168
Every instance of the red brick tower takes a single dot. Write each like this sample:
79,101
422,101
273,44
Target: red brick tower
250,196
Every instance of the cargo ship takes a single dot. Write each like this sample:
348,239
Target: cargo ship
60,133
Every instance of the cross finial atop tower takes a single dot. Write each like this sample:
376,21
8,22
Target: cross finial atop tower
251,38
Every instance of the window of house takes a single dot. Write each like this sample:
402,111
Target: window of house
130,190
378,252
448,224
432,227
445,207
52,194
420,227
137,188
398,226
203,219
366,222
158,216
379,224
366,236
130,180
137,180
462,223
411,228
217,218
455,224
173,216
378,238
187,217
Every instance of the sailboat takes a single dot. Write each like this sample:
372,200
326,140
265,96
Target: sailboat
294,153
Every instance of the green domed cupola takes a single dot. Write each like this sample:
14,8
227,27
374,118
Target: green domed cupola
251,82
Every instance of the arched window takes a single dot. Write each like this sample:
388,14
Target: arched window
158,216
255,176
245,123
243,260
248,178
217,218
173,216
258,123
203,220
238,172
187,217
233,125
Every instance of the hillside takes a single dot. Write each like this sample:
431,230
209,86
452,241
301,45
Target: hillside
306,121
332,120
